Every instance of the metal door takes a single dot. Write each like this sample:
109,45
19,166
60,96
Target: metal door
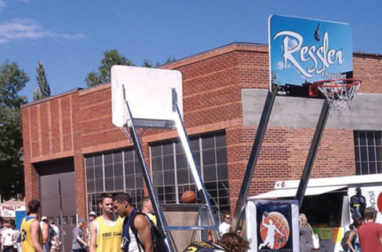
50,172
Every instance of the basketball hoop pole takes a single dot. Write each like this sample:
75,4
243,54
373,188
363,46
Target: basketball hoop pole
241,201
146,176
312,153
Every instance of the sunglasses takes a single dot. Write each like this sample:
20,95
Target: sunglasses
227,218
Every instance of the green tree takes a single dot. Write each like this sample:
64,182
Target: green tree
170,59
43,89
149,64
103,75
12,80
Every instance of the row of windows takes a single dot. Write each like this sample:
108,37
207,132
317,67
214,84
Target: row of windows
120,171
172,174
112,172
368,152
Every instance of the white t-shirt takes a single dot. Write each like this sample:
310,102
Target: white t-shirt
56,234
8,235
224,228
15,237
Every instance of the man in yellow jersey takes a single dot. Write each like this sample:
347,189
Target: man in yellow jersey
31,237
123,206
106,230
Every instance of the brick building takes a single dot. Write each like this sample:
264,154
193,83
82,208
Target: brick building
71,137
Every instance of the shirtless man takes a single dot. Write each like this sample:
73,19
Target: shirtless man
106,230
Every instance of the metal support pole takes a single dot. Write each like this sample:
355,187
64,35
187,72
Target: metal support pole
202,192
61,217
241,201
312,153
146,176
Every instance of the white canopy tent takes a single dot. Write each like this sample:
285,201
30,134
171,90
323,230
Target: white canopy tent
9,208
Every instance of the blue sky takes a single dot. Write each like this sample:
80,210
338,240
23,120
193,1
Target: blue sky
69,37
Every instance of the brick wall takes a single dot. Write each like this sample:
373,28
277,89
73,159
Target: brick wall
79,122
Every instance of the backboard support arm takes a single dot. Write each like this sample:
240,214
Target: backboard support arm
243,194
146,176
195,171
312,153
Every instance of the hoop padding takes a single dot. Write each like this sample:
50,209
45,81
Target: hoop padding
339,92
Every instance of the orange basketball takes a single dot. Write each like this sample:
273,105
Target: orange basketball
189,197
278,221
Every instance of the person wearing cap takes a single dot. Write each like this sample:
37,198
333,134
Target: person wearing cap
78,241
92,216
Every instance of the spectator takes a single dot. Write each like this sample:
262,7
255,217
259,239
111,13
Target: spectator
92,216
44,225
147,208
1,229
232,242
55,234
353,239
370,233
16,245
225,226
7,238
78,240
306,242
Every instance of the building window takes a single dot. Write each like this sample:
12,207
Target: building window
172,176
117,171
368,152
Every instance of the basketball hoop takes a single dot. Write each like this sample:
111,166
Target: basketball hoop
339,92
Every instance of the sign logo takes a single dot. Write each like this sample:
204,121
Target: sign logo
379,202
274,230
304,51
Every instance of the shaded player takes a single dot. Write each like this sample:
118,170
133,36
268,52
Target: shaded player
272,229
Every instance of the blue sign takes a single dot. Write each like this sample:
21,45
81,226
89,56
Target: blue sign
303,52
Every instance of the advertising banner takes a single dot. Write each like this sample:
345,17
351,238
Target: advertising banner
10,211
303,52
272,225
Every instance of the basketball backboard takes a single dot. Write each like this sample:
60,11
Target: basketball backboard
304,51
149,93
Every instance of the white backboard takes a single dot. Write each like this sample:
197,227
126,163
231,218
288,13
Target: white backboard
148,92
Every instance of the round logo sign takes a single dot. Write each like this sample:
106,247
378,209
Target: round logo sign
379,202
274,230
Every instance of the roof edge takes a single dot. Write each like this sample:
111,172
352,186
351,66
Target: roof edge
51,98
236,46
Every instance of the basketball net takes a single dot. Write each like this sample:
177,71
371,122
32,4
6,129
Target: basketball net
340,92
